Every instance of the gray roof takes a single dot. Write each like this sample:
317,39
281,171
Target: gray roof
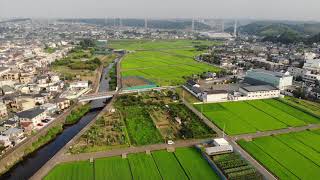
12,131
273,73
31,113
259,88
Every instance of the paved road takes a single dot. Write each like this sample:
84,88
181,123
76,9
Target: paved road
275,132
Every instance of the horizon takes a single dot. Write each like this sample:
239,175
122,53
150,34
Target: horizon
289,10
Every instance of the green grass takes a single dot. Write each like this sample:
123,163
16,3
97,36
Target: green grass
140,127
195,167
257,115
143,167
168,166
112,168
288,156
72,171
162,62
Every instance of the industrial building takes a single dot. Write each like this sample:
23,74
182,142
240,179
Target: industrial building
263,77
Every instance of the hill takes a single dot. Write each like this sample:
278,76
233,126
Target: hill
152,23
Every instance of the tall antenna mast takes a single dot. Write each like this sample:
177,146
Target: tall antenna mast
235,29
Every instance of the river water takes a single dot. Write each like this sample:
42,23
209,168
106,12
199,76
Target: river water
32,163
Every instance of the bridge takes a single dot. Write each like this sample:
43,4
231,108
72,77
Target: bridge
96,96
110,94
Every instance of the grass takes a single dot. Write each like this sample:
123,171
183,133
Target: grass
162,62
168,166
194,166
77,114
288,156
185,163
72,171
112,168
143,167
140,127
257,115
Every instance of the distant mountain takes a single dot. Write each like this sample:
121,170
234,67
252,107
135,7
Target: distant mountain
283,32
276,28
15,20
159,24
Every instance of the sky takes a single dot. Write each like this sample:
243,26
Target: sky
231,9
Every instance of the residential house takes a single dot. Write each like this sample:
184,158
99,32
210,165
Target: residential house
34,115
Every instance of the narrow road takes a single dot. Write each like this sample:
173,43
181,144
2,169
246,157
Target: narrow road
129,150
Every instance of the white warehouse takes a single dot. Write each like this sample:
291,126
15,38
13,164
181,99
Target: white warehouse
276,79
259,92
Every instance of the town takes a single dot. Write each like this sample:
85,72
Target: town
197,88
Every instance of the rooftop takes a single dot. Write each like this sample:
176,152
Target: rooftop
259,88
31,113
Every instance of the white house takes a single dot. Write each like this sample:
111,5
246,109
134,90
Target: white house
79,84
34,115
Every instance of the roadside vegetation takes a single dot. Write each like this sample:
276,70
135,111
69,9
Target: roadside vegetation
185,163
288,156
77,114
51,134
113,78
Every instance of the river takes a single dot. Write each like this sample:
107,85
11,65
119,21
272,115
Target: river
32,163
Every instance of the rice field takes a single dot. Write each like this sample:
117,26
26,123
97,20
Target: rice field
288,156
72,171
253,116
185,163
162,62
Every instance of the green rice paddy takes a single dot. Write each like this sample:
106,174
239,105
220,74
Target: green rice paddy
185,163
288,156
162,62
257,115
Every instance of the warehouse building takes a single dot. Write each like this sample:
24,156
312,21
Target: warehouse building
275,79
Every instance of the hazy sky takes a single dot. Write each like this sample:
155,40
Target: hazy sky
255,9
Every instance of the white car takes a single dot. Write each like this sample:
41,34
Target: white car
170,142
